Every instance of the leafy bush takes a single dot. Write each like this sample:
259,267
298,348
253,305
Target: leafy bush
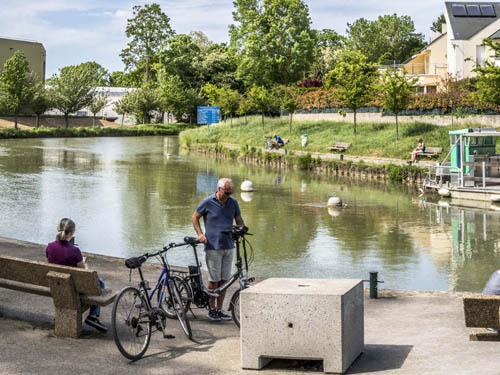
304,161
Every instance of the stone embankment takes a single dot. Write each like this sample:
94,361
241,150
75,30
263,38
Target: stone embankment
369,168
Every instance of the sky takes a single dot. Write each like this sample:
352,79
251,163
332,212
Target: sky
76,31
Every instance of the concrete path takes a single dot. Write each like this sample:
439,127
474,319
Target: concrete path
422,163
405,333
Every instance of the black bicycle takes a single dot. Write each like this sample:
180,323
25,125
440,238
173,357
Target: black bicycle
134,316
193,289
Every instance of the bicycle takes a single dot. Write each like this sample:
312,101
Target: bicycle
194,290
268,143
134,316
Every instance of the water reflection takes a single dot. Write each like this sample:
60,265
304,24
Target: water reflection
132,195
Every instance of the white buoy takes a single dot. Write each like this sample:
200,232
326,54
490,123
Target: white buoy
247,185
246,196
334,201
444,192
334,212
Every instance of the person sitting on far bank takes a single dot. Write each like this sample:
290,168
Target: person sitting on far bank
64,253
418,150
492,288
278,141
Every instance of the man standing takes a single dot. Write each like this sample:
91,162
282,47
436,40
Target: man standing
218,212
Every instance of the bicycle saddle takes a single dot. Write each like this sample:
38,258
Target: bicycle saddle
135,262
191,240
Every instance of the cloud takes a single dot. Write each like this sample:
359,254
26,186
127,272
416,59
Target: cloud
95,30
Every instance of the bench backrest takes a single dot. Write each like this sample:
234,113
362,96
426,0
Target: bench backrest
482,311
434,150
341,144
35,273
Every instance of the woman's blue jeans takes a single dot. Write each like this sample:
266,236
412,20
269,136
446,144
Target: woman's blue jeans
96,309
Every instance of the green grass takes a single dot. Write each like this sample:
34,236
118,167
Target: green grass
124,131
376,140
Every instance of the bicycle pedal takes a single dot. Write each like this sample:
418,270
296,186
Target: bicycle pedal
169,337
251,279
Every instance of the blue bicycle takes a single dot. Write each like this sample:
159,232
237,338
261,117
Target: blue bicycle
134,316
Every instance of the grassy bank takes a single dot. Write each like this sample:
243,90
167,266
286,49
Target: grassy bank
124,131
376,140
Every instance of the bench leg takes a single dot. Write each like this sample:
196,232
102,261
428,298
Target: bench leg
68,314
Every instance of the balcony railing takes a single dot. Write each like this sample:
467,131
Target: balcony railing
425,69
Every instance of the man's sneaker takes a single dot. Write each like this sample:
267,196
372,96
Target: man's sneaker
94,322
224,315
213,315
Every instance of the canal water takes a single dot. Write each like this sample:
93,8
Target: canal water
133,195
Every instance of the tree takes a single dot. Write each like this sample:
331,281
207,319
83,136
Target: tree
437,25
149,30
289,100
143,102
230,101
488,80
100,75
260,99
180,58
121,79
244,107
16,84
353,80
72,90
123,107
390,38
396,90
99,101
272,40
452,91
40,102
176,98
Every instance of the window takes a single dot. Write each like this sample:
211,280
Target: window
480,56
473,10
431,89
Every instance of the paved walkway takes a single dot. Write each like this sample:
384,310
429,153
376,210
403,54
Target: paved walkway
336,156
405,333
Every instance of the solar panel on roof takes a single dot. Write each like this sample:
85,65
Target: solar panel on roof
487,10
473,10
458,10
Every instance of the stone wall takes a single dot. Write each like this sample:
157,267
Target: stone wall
467,121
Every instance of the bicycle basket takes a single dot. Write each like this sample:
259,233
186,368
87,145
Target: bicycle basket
135,262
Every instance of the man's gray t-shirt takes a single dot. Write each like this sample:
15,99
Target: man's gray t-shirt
218,218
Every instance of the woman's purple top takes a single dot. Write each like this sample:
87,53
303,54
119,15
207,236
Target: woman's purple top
63,253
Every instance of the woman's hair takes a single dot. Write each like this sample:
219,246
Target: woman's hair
420,140
65,227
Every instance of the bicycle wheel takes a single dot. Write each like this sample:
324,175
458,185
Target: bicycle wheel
185,293
130,323
234,307
178,307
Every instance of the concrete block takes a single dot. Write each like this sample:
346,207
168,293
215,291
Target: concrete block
316,319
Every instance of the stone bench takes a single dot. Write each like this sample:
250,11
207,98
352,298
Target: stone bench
339,146
482,312
430,152
316,319
72,289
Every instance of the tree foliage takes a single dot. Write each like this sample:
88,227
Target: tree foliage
178,99
396,88
438,23
99,101
260,100
149,29
390,38
40,103
273,41
142,103
72,90
17,84
353,79
488,80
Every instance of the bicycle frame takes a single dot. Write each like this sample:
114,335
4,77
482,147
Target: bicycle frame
144,284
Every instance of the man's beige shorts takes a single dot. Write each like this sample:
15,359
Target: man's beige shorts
219,264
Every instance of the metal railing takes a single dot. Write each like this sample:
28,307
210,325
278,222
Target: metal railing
425,69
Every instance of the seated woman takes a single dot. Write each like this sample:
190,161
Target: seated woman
64,253
278,141
418,150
